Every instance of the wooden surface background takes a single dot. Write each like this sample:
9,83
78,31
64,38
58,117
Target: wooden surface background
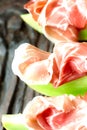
14,94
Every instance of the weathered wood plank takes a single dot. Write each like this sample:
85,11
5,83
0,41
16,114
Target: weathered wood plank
43,43
17,99
2,57
9,84
29,94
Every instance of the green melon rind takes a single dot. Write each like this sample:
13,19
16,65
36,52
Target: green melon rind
75,87
14,122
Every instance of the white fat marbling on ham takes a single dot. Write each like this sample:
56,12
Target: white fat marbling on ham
56,113
71,59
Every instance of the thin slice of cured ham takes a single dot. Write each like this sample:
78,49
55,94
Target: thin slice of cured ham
56,113
32,65
67,62
60,19
71,60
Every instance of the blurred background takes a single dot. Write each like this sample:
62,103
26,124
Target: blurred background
14,94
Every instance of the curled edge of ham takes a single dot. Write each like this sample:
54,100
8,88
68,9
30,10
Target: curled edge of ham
32,65
65,112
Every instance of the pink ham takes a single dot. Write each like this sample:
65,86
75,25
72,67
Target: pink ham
60,19
35,7
56,113
32,65
77,16
67,62
71,60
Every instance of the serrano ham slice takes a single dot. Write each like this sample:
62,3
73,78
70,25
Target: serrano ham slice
32,65
67,62
56,113
61,20
71,60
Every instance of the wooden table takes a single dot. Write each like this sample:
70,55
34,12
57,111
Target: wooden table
14,94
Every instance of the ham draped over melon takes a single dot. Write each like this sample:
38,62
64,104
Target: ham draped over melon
57,113
61,20
67,62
